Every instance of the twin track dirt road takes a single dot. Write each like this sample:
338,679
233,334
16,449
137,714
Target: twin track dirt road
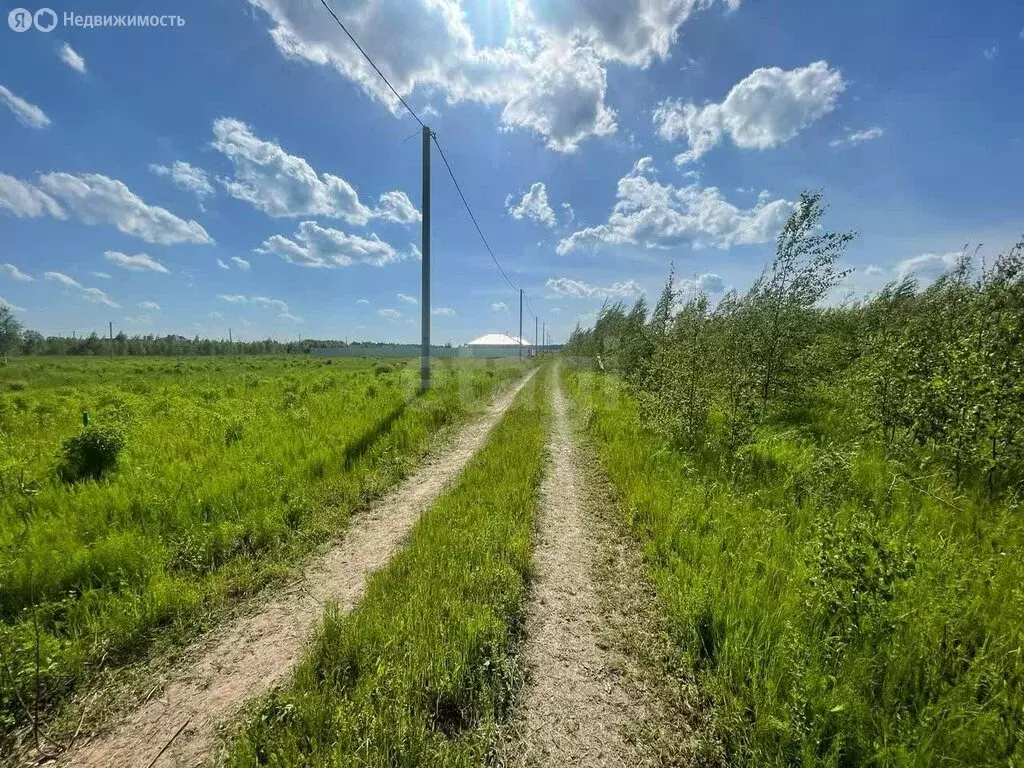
574,710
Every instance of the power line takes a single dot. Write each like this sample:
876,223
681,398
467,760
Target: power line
472,217
375,67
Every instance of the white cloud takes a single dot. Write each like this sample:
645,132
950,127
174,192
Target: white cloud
216,316
11,305
708,282
533,205
269,303
27,114
634,32
149,306
283,185
570,214
397,207
187,177
24,200
766,109
71,58
96,296
60,277
990,53
96,199
407,298
16,273
390,314
139,263
362,301
874,271
241,263
101,275
556,310
853,137
222,265
443,312
141,320
234,298
927,266
317,246
543,80
290,316
650,214
568,288
499,306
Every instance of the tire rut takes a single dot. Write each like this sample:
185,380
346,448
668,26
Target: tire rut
575,711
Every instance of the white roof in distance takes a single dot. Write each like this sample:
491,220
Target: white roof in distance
497,340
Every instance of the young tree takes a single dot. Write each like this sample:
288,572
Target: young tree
10,331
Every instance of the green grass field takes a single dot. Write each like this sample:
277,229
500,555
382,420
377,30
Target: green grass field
422,670
231,468
834,611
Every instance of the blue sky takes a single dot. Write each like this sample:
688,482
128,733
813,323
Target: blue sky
247,170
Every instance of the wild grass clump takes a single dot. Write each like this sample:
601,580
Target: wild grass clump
91,454
423,669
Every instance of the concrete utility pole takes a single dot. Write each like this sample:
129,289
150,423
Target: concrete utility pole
111,338
230,340
536,338
543,334
520,323
425,248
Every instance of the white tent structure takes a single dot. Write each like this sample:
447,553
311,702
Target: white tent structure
498,340
497,345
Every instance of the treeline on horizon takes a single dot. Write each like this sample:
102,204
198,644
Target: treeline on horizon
33,343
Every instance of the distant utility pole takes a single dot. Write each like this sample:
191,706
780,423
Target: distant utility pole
230,340
536,338
520,323
543,334
425,248
111,338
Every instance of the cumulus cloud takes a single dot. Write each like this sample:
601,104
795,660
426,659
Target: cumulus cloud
543,78
187,177
874,271
317,246
15,273
101,275
564,287
499,306
222,265
290,316
533,205
233,298
60,277
407,298
708,282
149,306
284,185
97,199
241,263
390,314
927,266
852,137
443,312
634,32
71,58
26,201
25,113
766,109
139,263
650,214
362,301
264,301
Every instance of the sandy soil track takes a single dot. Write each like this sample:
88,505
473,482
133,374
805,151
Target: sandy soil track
575,710
250,654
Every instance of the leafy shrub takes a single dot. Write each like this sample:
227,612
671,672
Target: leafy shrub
382,368
90,454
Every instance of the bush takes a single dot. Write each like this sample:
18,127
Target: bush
90,454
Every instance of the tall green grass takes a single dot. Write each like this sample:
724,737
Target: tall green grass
421,671
835,613
232,468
